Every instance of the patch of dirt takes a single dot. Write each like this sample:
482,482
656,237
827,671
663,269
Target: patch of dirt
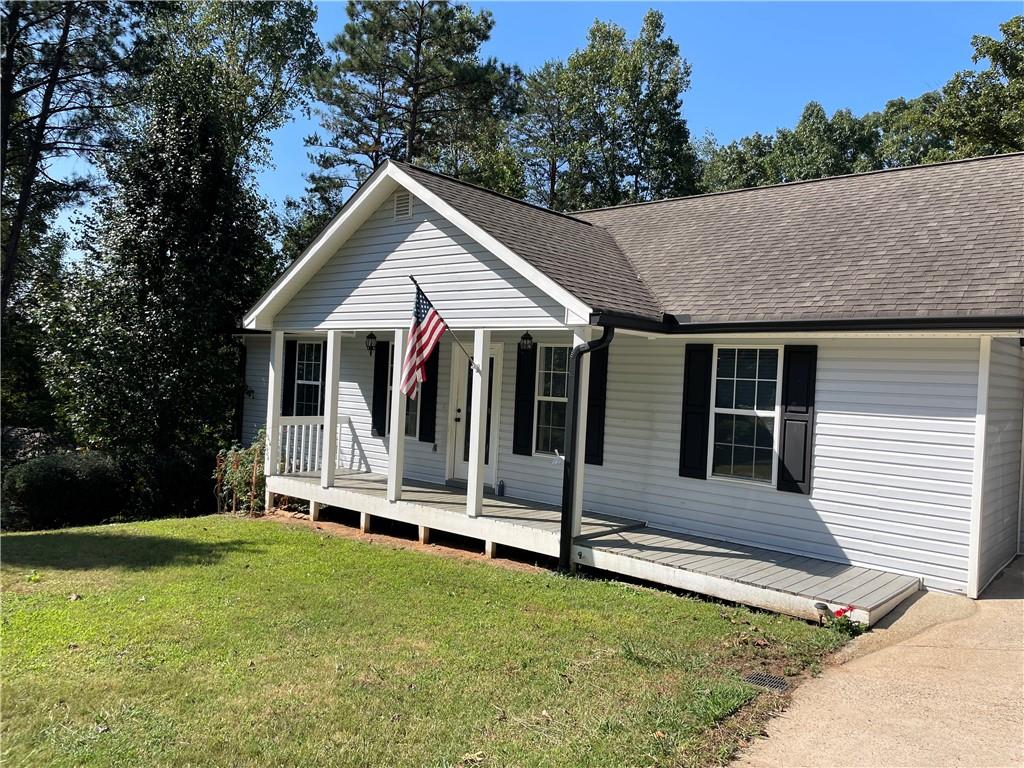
341,530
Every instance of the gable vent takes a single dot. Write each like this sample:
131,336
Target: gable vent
403,206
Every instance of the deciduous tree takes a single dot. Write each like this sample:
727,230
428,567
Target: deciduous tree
138,353
984,110
624,102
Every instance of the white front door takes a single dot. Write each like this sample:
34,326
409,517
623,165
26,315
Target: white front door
461,401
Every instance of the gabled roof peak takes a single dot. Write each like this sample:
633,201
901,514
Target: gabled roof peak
471,185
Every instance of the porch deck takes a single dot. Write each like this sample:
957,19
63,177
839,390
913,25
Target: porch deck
763,578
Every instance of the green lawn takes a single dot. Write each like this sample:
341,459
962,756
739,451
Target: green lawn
222,641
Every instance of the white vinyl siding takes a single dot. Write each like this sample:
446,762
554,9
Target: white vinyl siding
893,447
1001,473
254,405
366,284
892,465
358,448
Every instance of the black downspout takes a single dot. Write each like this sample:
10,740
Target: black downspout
571,443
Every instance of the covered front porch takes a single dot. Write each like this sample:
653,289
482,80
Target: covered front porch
792,584
335,406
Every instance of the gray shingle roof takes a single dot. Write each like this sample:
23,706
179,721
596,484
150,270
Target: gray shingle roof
582,258
930,241
943,240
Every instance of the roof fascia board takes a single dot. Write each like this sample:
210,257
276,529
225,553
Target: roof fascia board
681,338
571,303
1008,324
355,211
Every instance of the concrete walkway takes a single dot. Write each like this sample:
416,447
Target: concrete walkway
939,683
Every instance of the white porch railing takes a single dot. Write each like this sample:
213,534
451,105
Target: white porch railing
301,444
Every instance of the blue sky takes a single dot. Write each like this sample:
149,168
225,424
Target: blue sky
755,65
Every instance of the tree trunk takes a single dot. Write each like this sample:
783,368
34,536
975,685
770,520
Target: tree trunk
7,85
31,171
411,139
552,181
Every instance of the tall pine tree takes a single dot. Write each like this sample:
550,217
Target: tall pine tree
404,77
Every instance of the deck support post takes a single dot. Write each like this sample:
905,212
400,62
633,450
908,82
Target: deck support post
396,438
332,373
490,550
275,377
364,522
314,510
575,448
424,534
478,422
580,336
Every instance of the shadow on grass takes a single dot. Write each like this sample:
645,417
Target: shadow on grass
85,550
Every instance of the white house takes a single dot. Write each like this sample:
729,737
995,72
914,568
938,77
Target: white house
787,396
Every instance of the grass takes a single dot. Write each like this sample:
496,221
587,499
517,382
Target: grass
223,641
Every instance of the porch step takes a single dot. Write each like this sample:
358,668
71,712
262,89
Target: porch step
764,578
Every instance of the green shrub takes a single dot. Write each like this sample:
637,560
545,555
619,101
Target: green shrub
175,483
239,477
63,489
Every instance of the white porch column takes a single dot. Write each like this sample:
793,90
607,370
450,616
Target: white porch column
478,422
332,374
275,375
580,336
396,440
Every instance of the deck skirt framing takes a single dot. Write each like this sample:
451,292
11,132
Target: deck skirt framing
777,581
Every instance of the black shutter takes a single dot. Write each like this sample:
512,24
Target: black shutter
381,359
799,370
526,382
428,398
596,399
693,446
288,382
323,377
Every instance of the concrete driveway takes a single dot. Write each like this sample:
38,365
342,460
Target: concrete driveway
939,684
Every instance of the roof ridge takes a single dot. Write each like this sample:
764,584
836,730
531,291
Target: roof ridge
798,182
503,196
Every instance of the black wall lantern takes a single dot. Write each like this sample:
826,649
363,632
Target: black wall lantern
371,342
526,342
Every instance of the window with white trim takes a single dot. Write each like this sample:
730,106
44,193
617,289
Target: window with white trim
744,415
412,407
551,398
308,362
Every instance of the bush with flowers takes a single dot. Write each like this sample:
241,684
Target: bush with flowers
841,621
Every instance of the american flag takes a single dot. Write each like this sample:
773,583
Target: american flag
426,330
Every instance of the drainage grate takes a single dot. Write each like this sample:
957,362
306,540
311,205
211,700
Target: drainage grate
771,682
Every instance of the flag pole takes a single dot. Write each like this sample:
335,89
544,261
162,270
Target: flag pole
455,338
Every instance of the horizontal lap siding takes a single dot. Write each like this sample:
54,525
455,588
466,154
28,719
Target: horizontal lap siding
366,284
537,478
422,461
892,467
359,449
893,453
257,365
1001,479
